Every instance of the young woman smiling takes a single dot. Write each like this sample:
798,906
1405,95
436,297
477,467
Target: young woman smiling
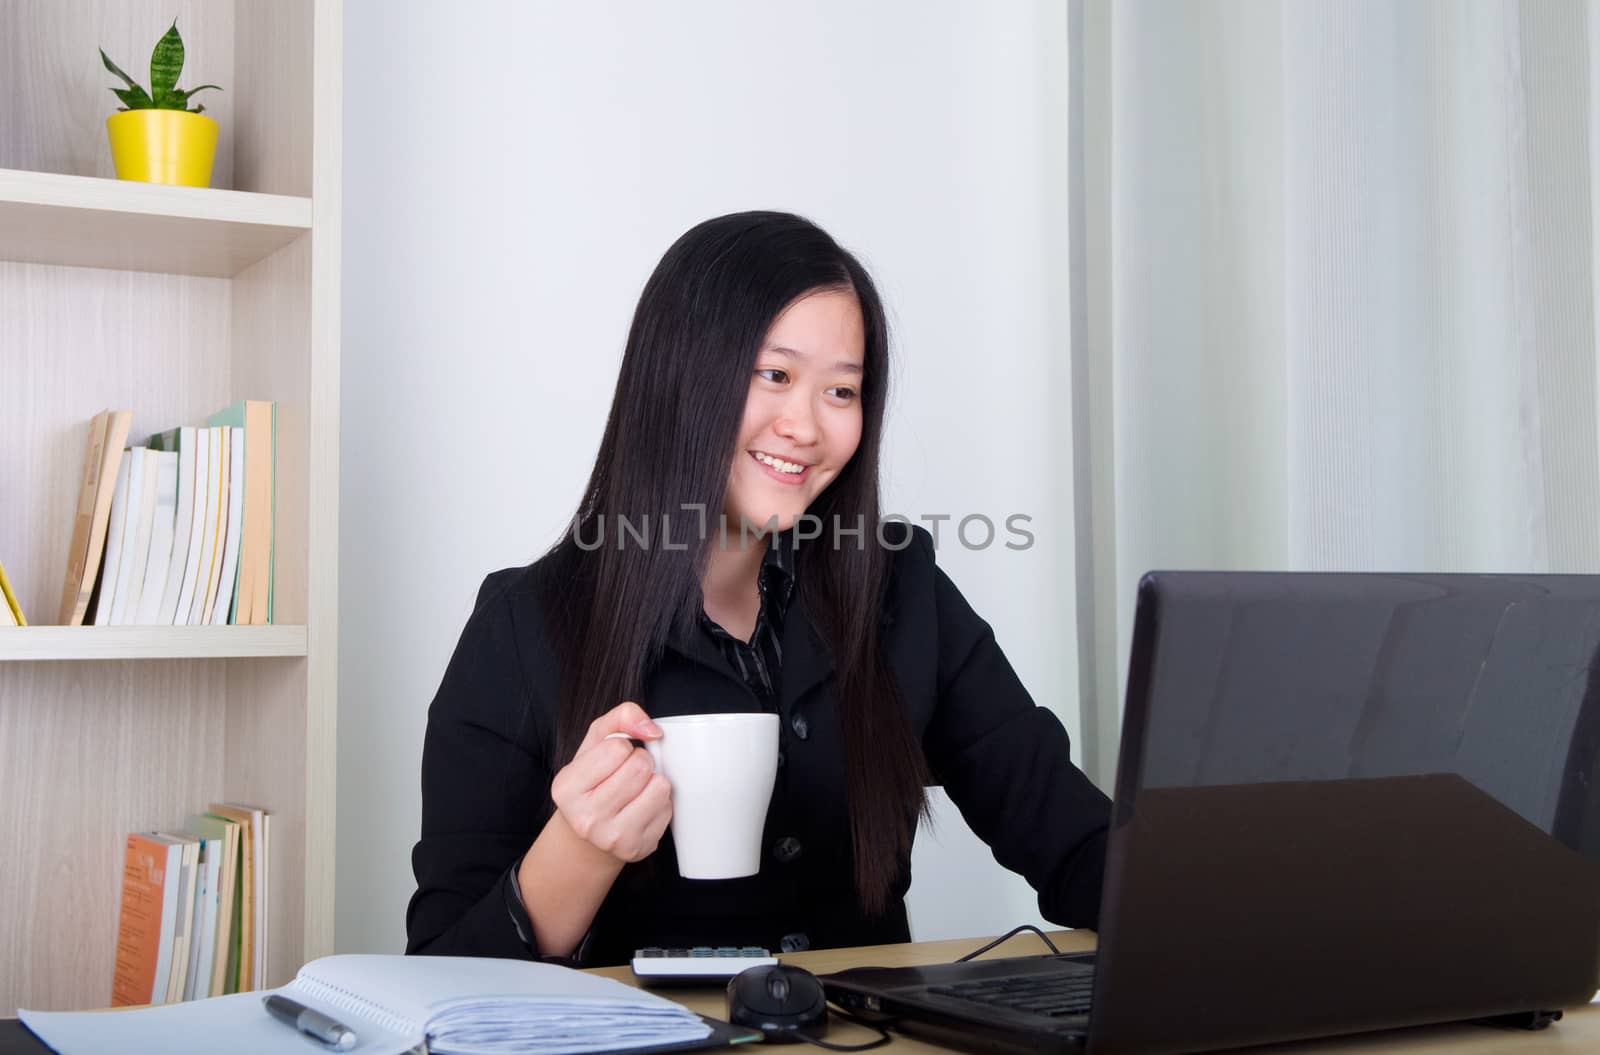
752,385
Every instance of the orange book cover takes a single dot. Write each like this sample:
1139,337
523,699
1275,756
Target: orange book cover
144,881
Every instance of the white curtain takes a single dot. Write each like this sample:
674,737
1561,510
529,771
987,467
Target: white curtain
1333,298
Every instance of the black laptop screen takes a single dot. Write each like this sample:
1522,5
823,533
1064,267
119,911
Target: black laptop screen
1351,801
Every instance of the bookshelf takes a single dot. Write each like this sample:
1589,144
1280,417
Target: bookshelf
172,302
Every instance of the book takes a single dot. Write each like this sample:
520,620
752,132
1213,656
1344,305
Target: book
163,530
225,939
255,843
224,943
181,442
10,610
454,1005
141,501
221,467
208,538
252,890
143,963
107,433
259,419
263,896
202,949
201,442
228,573
115,531
83,516
182,924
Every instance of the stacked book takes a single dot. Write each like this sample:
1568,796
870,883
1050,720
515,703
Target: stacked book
194,918
10,610
177,531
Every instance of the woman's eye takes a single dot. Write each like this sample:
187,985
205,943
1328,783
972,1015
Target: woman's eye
843,392
773,374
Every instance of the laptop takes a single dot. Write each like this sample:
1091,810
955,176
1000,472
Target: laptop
1344,802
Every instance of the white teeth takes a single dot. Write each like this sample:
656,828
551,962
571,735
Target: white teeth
777,463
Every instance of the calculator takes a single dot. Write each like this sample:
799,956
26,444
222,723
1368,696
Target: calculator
701,965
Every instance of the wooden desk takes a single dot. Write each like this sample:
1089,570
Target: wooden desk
1576,1034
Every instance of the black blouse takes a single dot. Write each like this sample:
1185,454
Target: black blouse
759,661
487,770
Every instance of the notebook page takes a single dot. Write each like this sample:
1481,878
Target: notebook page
237,1024
413,987
473,1005
479,1005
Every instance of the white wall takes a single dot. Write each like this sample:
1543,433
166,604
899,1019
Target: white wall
514,170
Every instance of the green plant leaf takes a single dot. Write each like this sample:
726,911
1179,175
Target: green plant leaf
166,62
133,98
129,81
179,99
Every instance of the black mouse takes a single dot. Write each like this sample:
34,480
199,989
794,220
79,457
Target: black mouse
780,1000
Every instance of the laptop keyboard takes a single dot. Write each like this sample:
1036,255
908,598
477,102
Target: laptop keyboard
1052,995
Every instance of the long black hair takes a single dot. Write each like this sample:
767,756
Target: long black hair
669,444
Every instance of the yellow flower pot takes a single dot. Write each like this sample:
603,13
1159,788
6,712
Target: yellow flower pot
163,146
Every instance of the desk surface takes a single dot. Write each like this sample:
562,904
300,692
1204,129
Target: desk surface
1578,1032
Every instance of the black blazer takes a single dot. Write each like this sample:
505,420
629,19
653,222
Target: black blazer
487,767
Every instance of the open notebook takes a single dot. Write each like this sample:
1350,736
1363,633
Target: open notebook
462,1005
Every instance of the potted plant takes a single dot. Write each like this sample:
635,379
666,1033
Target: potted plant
155,136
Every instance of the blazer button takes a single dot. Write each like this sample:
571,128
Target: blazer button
794,943
800,727
786,849
780,759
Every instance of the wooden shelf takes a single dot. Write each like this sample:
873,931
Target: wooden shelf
82,221
33,643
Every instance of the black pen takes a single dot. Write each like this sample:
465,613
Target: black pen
311,1022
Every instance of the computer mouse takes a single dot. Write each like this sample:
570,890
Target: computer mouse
780,1000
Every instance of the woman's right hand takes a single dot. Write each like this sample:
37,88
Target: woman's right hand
610,794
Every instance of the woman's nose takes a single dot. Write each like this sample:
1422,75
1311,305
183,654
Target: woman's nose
797,423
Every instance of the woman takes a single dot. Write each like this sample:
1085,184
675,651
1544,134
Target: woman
753,384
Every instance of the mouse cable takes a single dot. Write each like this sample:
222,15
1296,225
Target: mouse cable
1007,936
883,1035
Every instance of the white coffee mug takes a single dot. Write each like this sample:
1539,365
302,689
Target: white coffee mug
722,768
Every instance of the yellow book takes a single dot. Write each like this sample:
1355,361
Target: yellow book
13,609
252,890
